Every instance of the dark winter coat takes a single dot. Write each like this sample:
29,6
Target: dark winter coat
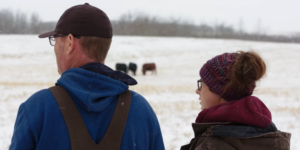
228,136
244,124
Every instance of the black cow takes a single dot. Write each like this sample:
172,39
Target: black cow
132,67
121,67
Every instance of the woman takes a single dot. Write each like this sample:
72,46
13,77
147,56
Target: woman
232,119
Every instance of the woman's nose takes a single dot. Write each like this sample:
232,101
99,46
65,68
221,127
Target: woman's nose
197,91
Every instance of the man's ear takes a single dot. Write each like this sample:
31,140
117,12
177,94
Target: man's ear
71,44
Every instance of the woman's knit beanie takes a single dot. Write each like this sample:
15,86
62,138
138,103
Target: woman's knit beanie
215,74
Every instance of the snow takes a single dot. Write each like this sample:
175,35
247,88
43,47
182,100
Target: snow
28,65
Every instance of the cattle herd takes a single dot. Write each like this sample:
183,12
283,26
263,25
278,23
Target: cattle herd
133,67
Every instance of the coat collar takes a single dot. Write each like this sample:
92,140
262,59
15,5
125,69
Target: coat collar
104,70
228,129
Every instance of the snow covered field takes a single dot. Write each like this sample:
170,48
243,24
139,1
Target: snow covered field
27,64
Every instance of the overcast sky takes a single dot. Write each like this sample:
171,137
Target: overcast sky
272,16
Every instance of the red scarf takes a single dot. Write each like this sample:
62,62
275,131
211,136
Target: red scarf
249,111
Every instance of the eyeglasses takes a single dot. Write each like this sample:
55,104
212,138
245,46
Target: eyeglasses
52,38
199,84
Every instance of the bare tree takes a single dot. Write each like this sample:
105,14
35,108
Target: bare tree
34,24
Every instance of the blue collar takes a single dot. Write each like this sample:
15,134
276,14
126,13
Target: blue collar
104,70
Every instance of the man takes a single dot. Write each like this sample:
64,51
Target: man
81,40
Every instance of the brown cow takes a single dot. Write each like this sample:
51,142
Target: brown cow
150,67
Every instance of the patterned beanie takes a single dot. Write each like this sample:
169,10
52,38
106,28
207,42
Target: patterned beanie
215,74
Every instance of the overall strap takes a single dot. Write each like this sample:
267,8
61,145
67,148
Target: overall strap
79,135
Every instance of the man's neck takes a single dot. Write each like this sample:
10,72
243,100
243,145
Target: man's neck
81,60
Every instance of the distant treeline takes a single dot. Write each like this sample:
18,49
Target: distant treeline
141,25
145,25
20,23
